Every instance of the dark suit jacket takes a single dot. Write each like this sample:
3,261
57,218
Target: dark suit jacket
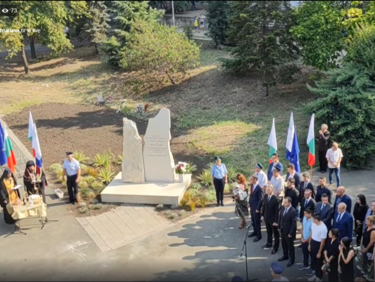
297,179
325,214
287,222
323,190
311,204
345,199
256,197
294,195
345,225
270,209
302,190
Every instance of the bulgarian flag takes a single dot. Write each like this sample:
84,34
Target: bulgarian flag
36,148
30,131
311,142
7,145
272,141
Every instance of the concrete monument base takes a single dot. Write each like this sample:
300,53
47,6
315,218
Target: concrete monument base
145,193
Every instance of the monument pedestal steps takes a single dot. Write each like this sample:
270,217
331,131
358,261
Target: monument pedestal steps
148,168
152,193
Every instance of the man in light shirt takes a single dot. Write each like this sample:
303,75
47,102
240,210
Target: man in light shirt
72,169
262,177
334,157
277,182
316,247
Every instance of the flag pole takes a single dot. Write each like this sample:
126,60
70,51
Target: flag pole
311,172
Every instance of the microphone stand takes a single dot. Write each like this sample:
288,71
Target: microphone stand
244,247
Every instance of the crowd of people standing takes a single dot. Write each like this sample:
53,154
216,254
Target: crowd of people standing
332,234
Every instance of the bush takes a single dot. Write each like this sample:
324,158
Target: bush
192,204
81,157
106,174
83,184
92,172
89,180
96,185
232,173
211,196
96,206
205,177
55,169
83,210
84,192
119,160
203,199
182,213
346,100
103,160
195,186
155,47
94,202
183,202
190,168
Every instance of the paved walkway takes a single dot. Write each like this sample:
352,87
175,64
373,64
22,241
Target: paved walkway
123,225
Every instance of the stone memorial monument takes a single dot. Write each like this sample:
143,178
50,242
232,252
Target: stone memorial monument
157,155
148,169
133,169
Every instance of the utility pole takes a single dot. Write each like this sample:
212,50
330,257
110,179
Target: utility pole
173,21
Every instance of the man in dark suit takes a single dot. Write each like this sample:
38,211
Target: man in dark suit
307,202
292,173
305,184
255,201
341,197
323,189
292,192
325,211
270,213
343,221
288,229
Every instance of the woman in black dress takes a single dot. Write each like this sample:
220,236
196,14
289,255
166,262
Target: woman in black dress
331,254
368,240
346,260
359,213
7,194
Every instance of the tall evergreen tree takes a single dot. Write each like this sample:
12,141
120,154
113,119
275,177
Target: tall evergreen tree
126,13
97,27
217,16
260,31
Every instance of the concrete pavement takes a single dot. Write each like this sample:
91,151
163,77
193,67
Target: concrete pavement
205,247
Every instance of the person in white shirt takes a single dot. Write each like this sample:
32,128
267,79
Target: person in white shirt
72,170
316,247
277,182
334,157
262,177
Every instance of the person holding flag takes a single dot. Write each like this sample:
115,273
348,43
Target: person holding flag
34,177
273,156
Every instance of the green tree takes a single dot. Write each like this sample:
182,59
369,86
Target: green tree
125,14
44,20
346,99
97,27
158,48
319,32
217,16
260,31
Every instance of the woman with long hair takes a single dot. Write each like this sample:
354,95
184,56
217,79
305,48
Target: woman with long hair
331,254
359,213
240,196
346,260
8,195
368,240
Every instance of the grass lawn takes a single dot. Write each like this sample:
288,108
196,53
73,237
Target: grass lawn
213,112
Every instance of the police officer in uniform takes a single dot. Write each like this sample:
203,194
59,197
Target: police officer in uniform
72,170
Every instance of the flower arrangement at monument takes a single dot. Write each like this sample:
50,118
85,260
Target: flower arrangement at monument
181,168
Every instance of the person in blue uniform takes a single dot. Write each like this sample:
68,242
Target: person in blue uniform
72,169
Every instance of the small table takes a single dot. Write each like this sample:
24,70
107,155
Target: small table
27,211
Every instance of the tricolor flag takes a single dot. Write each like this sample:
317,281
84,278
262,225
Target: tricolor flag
30,131
3,154
272,141
292,148
36,148
311,142
6,146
